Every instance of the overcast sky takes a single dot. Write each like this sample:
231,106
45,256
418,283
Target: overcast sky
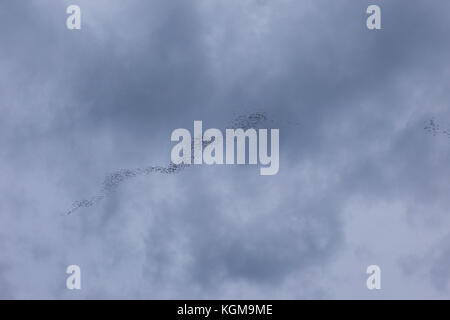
360,181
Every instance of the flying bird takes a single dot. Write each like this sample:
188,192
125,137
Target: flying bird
112,180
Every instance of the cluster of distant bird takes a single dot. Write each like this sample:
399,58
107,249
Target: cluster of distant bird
433,128
253,120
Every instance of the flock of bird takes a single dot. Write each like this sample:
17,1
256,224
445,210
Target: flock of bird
253,120
113,180
433,128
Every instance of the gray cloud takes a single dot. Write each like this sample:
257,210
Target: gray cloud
360,181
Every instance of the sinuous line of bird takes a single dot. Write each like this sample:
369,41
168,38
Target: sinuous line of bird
113,180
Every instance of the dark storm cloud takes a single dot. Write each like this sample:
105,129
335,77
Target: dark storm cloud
77,105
